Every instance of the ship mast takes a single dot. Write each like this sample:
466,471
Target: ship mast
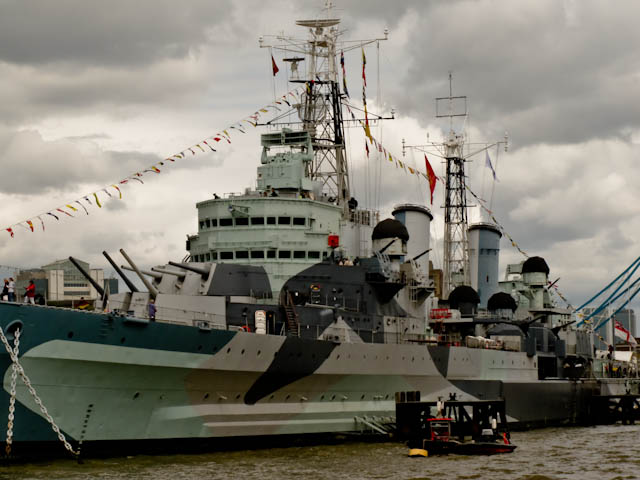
456,244
320,109
455,266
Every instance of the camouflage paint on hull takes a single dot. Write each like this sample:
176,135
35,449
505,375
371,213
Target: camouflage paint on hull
108,378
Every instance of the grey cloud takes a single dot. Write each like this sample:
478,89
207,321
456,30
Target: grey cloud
526,69
118,32
41,166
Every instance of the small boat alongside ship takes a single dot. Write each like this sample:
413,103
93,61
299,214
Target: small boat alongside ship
476,427
297,313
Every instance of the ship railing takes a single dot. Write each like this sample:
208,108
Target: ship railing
605,368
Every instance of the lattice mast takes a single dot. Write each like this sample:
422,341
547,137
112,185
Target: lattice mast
456,244
320,109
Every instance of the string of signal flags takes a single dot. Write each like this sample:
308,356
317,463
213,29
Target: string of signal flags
209,144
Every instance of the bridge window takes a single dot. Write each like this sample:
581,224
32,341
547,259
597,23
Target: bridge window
257,253
226,222
299,221
284,254
299,254
226,255
242,254
242,221
257,220
271,254
271,220
207,257
284,220
214,255
313,255
201,224
207,223
214,222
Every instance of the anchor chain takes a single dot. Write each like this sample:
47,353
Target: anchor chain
12,398
18,367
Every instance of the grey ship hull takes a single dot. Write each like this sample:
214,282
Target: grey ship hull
105,378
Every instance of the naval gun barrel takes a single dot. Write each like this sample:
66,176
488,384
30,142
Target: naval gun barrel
98,288
152,290
157,276
202,271
126,280
168,272
421,254
387,246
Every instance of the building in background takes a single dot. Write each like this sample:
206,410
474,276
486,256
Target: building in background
61,281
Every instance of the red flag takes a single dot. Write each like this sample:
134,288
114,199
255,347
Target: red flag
274,66
10,230
366,146
431,176
30,223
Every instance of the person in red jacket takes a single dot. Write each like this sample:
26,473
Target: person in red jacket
30,294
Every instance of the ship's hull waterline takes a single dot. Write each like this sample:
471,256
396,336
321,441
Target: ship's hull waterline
111,378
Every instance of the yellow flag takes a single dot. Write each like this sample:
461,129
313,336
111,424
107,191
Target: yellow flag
390,158
72,208
97,201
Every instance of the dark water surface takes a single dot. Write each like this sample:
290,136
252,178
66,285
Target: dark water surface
603,453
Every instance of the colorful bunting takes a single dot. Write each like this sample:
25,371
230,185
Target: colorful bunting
274,67
237,126
83,207
344,74
118,189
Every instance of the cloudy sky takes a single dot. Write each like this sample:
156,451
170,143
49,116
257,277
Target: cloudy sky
91,92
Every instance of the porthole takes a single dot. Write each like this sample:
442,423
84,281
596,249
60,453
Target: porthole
321,397
259,352
238,397
337,356
136,395
271,397
199,347
242,352
70,335
333,397
362,397
206,395
122,340
229,350
287,397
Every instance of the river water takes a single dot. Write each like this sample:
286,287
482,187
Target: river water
602,453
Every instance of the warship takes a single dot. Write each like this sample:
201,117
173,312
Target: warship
295,312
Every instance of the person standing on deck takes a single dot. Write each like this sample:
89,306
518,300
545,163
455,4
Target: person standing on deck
5,290
152,310
12,290
30,293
